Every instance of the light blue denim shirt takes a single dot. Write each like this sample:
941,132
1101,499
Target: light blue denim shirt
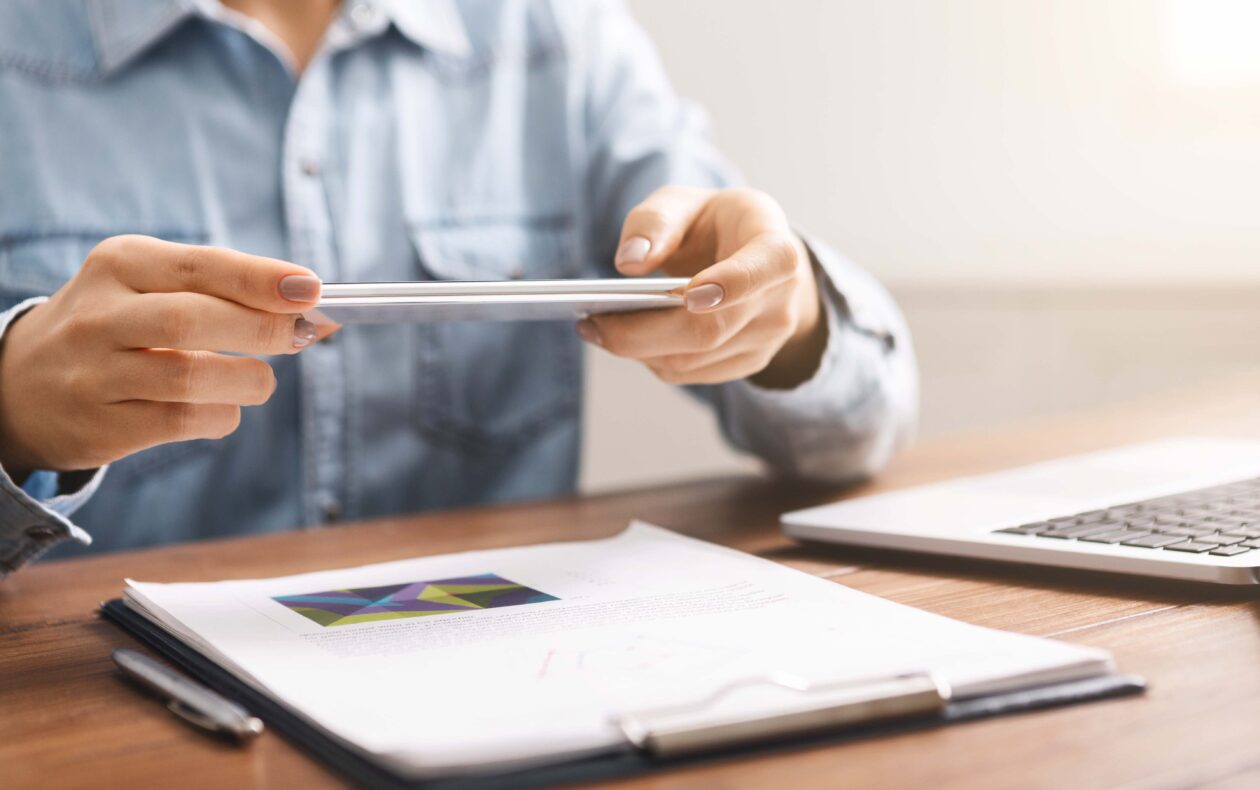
428,139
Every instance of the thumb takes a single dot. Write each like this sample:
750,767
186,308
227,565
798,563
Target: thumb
655,228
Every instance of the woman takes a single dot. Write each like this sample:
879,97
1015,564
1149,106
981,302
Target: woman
162,161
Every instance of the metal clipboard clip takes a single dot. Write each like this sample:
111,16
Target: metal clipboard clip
781,705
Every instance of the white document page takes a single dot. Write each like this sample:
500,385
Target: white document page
493,659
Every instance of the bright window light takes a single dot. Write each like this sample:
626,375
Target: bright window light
1212,42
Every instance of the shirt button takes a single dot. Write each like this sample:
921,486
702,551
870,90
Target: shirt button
363,15
310,167
332,511
40,533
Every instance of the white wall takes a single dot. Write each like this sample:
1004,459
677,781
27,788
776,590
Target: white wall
963,140
1064,194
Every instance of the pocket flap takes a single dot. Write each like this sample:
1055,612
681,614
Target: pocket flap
39,263
497,249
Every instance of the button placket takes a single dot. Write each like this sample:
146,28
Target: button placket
323,401
364,16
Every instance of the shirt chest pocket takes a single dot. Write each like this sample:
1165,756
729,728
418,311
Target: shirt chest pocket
38,264
492,248
487,385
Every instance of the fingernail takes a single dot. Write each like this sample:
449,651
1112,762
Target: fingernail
589,332
304,333
299,288
632,252
704,297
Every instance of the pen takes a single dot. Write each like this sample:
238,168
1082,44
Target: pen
187,699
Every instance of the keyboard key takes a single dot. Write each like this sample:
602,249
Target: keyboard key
1189,532
1119,536
1230,524
1087,529
1095,517
1114,526
1194,546
1224,540
1229,551
1200,511
1074,531
1154,541
1024,529
1205,524
1060,534
1223,518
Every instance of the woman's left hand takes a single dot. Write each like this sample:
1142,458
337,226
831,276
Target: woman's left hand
752,307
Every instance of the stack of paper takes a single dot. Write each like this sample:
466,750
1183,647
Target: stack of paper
488,660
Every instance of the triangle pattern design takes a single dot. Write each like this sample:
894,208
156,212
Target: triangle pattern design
411,599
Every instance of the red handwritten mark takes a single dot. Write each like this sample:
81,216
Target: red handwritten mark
542,671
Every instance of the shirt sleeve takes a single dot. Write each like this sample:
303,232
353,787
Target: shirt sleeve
858,407
862,401
35,516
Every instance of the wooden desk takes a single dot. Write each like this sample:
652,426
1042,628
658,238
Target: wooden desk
67,718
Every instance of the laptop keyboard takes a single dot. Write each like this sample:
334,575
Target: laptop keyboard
1222,520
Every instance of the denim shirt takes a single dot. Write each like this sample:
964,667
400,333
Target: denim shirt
427,140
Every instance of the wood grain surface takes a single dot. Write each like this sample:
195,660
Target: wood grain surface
67,719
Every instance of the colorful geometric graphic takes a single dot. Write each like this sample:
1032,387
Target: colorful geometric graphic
417,599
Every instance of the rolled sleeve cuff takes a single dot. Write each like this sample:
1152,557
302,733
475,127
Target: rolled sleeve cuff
35,517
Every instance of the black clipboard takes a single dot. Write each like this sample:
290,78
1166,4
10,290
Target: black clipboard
362,771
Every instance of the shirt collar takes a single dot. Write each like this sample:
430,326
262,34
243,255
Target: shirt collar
434,24
123,29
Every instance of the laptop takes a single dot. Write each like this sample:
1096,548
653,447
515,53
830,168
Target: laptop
1178,508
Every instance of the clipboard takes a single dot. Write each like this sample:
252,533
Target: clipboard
663,739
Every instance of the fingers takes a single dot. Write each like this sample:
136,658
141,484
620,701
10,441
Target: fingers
765,262
654,333
147,423
717,371
655,228
681,348
195,322
191,377
149,265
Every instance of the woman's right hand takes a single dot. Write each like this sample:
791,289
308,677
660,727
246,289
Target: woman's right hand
129,353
